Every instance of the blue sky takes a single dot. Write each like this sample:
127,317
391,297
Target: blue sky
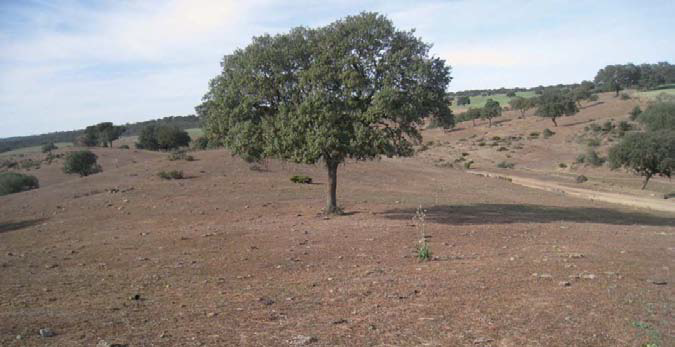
68,64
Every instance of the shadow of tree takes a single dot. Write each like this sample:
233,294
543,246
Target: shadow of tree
11,226
521,213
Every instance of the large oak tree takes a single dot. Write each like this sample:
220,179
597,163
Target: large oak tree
355,89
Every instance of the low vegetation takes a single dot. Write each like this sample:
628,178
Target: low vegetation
14,182
171,175
83,163
301,179
163,137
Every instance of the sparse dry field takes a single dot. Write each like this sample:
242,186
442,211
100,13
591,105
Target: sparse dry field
232,256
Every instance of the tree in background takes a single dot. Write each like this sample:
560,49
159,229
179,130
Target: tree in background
48,147
82,163
646,154
163,137
107,133
521,104
657,116
583,92
357,88
554,104
492,109
463,100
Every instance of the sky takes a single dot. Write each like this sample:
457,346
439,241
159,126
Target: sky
68,64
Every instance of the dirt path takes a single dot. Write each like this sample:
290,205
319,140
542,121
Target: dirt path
615,198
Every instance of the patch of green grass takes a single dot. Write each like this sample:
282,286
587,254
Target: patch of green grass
195,132
652,94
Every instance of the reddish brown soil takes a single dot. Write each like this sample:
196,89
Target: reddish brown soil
232,256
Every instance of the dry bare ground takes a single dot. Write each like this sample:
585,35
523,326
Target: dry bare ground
233,256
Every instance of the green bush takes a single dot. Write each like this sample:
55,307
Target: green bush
593,142
468,164
635,112
301,179
28,164
82,163
548,133
48,147
562,165
8,164
180,155
162,137
607,126
581,158
534,134
646,154
594,159
505,165
13,182
171,175
595,127
659,116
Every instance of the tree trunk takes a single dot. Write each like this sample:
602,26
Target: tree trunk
646,181
490,122
331,200
554,122
473,122
522,113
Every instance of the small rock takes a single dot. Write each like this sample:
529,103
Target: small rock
211,314
19,337
564,283
659,282
546,276
588,276
302,340
46,332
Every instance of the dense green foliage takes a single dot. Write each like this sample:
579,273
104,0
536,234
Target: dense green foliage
658,116
492,109
357,88
163,137
102,134
644,76
521,104
554,104
646,154
82,163
14,182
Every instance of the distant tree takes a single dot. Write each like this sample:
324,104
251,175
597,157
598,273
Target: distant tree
172,137
81,162
647,154
511,94
357,88
107,133
658,116
463,100
581,93
48,147
554,104
163,137
521,104
89,137
492,109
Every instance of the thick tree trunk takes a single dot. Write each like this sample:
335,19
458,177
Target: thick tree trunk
331,199
644,185
554,122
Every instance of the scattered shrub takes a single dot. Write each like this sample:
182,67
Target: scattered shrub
468,164
496,138
581,158
48,147
28,164
481,143
505,165
13,182
548,133
8,164
171,175
301,179
581,179
464,154
534,134
594,159
562,165
124,146
595,127
502,149
162,137
180,155
607,126
82,163
659,116
625,96
593,142
635,112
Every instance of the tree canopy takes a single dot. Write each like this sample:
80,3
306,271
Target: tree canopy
646,154
658,116
162,137
492,109
521,104
554,104
644,76
357,88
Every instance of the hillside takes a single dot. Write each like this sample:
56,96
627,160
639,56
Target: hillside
234,256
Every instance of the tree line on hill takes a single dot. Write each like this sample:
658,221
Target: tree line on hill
91,134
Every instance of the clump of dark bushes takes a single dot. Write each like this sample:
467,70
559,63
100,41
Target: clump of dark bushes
171,175
82,163
301,179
